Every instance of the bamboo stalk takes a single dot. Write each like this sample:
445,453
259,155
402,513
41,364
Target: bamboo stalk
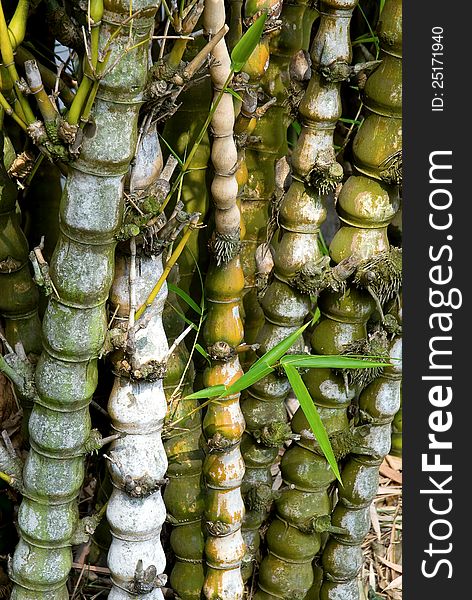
181,131
184,493
223,423
300,270
19,294
264,182
366,206
75,321
138,463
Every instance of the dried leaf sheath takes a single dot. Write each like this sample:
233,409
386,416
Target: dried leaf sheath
75,323
223,423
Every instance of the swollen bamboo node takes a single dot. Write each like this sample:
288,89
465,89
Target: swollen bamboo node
299,269
266,135
75,321
223,424
266,429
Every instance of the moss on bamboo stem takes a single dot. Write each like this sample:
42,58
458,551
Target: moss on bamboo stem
75,321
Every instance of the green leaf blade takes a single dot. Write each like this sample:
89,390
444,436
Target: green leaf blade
327,361
185,297
312,416
210,392
252,376
247,44
273,355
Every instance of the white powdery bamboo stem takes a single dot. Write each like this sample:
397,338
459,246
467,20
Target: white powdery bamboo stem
137,407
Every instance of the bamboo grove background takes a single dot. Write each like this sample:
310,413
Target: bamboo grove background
200,295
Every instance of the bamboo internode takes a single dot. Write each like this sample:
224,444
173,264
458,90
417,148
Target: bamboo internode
75,321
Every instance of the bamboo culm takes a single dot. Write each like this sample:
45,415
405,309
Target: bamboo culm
75,322
298,268
223,424
181,130
136,510
265,183
367,204
184,493
19,299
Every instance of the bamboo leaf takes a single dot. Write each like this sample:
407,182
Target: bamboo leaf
273,355
235,94
210,392
312,416
202,351
329,361
185,297
173,152
255,373
246,45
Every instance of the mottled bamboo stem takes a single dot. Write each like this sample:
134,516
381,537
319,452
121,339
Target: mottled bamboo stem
265,184
366,206
298,263
75,321
223,424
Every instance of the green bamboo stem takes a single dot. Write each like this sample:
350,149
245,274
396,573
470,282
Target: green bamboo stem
181,132
6,50
184,494
48,77
282,82
19,298
366,206
75,321
223,424
260,161
17,25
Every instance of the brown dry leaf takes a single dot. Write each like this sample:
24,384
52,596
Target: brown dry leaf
396,584
394,462
392,474
388,563
374,517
